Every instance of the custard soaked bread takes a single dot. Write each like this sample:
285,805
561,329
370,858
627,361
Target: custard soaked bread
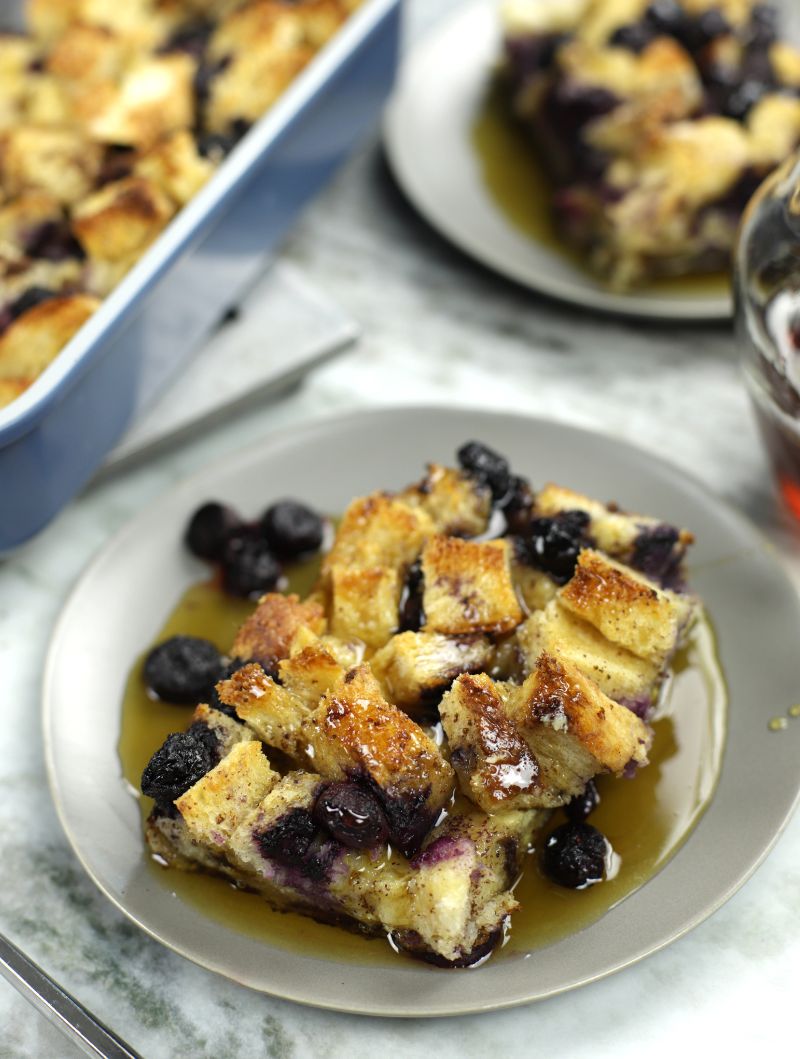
385,754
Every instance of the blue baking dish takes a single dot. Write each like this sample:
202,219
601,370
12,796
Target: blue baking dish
57,433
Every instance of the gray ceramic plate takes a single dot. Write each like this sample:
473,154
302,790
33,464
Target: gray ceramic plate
428,137
123,598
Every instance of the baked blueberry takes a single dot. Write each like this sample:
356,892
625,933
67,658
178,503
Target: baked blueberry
248,566
53,241
352,815
292,529
554,544
518,504
575,855
583,804
411,614
209,529
487,466
177,765
635,36
289,841
666,17
183,669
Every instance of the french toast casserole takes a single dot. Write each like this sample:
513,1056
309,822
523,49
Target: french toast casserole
656,119
385,754
113,114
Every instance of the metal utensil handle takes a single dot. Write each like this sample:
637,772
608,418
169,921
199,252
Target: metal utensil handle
82,1028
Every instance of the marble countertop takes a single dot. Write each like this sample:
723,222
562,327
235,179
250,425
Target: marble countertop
436,328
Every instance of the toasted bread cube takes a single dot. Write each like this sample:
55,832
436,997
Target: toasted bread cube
272,712
54,159
651,546
118,222
574,730
24,214
458,504
355,733
155,97
310,673
268,634
84,54
176,166
365,603
414,668
379,531
625,607
215,806
34,339
622,676
460,886
495,766
468,587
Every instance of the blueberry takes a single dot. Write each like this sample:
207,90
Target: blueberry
654,551
248,566
352,815
182,669
742,100
698,32
191,38
666,17
411,614
583,804
289,840
554,544
518,504
575,855
209,529
176,766
292,529
635,36
53,241
487,466
215,145
763,29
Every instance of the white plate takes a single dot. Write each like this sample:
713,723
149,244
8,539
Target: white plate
121,601
428,131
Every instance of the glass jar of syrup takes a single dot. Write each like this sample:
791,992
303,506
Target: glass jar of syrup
767,290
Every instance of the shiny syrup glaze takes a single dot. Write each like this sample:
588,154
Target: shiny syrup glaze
518,184
646,818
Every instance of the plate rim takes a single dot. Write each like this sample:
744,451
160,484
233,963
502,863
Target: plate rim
299,434
677,310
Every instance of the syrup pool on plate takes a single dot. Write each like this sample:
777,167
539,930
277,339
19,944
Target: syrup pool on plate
646,819
519,186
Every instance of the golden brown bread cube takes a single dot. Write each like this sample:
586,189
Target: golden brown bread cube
267,635
84,54
310,673
176,166
355,733
458,504
118,222
615,532
625,607
414,668
273,713
154,97
214,807
468,587
496,768
23,214
364,603
54,159
34,339
574,730
379,531
622,676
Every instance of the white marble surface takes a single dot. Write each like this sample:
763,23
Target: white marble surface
436,329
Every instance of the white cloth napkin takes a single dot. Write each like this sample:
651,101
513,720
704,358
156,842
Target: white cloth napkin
283,327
